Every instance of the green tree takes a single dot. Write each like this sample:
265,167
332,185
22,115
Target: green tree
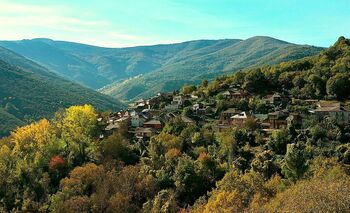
295,164
338,86
255,81
279,140
189,185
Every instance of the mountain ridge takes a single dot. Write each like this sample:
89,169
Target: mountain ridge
216,63
142,66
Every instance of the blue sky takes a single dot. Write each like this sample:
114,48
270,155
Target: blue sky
120,23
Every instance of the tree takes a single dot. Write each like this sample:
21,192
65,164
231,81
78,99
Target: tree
255,81
189,185
228,146
164,202
78,128
235,192
250,124
119,203
328,193
204,83
295,164
117,147
279,140
338,86
263,163
318,84
188,89
31,139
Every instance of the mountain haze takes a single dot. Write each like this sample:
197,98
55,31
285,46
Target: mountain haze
135,72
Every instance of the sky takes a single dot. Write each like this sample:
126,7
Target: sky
125,23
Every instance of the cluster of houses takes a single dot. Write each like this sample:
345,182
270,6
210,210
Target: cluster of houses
146,118
282,118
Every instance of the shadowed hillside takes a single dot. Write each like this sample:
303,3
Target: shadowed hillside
29,92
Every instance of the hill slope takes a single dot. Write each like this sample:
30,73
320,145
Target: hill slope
324,76
96,67
142,71
29,92
252,52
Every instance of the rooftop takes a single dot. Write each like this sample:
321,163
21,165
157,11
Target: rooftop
153,122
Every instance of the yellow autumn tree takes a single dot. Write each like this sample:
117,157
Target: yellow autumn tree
235,192
78,126
225,202
29,141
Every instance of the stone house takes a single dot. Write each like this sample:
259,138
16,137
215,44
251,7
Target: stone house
333,110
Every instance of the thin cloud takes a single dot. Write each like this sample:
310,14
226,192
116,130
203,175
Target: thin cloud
17,18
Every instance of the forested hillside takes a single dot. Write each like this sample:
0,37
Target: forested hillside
135,72
29,92
253,52
268,139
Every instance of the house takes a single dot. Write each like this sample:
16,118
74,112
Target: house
274,99
154,123
165,96
194,97
152,102
140,101
276,120
226,94
197,106
112,119
156,100
239,119
187,120
123,114
137,120
201,109
333,110
239,95
172,107
178,100
225,116
142,132
261,119
234,95
235,86
312,102
112,126
295,120
166,117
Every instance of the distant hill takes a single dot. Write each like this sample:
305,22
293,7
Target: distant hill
29,91
130,73
324,76
252,52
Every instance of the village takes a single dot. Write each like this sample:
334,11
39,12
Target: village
146,118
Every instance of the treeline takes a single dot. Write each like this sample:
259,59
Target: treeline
324,76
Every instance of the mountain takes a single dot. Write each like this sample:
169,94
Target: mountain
96,67
29,92
130,73
252,52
